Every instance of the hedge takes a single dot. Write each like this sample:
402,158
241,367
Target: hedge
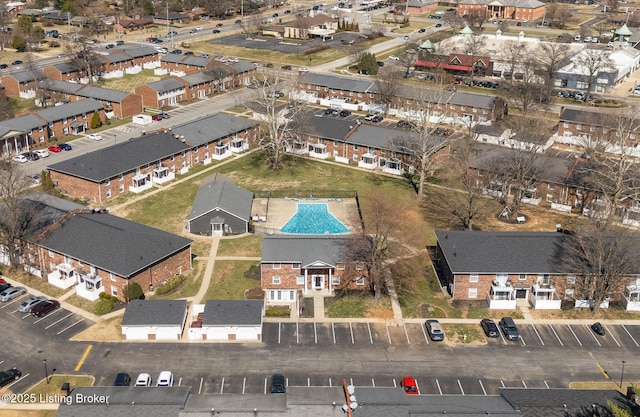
171,285
103,306
278,312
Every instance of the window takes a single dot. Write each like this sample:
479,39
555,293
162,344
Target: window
571,279
549,186
522,277
121,188
473,278
355,147
340,266
335,280
120,177
569,292
50,254
549,198
275,280
107,182
112,277
359,267
108,193
360,281
473,293
114,291
300,280
544,279
295,266
277,266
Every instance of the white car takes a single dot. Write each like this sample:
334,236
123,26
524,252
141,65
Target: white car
11,293
94,136
165,379
143,380
21,159
233,59
394,58
199,28
303,69
42,153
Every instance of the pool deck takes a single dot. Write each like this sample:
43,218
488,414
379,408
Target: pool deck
280,210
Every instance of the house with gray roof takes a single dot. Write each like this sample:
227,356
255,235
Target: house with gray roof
66,71
446,107
135,165
503,267
164,93
154,320
220,208
117,104
20,133
232,320
71,118
20,84
128,60
293,266
97,252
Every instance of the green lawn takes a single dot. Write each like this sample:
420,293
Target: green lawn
244,246
190,286
228,281
129,82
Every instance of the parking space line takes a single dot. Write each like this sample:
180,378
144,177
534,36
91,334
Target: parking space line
593,335
406,333
308,382
333,331
8,303
574,334
524,383
200,387
388,335
315,331
180,382
482,386
424,332
394,383
417,386
460,386
56,322
244,384
546,385
350,381
556,334
222,386
70,326
634,340
297,332
279,326
537,334
330,382
370,335
438,385
502,383
286,382
353,342
373,382
46,317
16,381
522,340
611,334
265,386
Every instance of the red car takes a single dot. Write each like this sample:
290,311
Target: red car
44,307
410,386
219,25
156,117
54,148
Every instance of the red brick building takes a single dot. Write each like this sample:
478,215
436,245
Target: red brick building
503,9
65,71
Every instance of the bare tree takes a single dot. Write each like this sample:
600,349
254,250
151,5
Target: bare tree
603,258
551,56
590,64
560,13
422,143
513,53
477,18
453,21
525,92
408,57
19,218
85,57
474,45
387,86
281,119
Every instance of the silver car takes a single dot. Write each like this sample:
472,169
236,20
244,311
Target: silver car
28,304
11,293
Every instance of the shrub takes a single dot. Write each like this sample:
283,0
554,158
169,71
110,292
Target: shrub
132,291
108,297
103,306
279,311
95,121
171,285
254,293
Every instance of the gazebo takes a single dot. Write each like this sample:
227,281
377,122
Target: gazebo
623,33
466,31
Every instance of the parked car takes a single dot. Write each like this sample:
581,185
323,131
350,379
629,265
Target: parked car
54,148
65,147
435,330
219,25
21,159
598,328
157,117
122,380
143,380
4,286
373,118
216,31
332,112
406,124
17,62
42,153
119,43
176,52
11,293
489,327
238,21
286,67
438,25
422,30
509,329
394,58
165,379
380,63
94,136
405,37
27,305
345,113
303,69
34,178
409,385
31,156
171,33
44,307
8,376
278,384
4,66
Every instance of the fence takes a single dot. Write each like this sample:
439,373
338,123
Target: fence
306,194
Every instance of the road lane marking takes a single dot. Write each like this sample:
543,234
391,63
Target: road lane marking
482,386
315,331
502,383
373,382
222,386
200,389
56,322
606,375
333,331
84,356
297,332
244,384
330,382
180,382
265,386
634,340
279,326
394,383
546,385
524,383
557,337
70,326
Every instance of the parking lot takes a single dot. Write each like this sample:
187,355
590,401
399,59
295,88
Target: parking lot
571,336
285,46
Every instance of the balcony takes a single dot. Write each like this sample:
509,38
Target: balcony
368,161
501,296
392,166
162,175
544,297
318,151
62,277
239,145
141,182
561,207
29,94
590,303
297,148
89,287
221,152
631,298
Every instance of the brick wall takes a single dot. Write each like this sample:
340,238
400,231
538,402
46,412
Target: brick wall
129,106
60,125
149,96
75,187
12,87
288,277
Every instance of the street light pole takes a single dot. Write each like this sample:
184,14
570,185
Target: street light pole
46,373
622,373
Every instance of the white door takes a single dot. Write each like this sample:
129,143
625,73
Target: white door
136,333
248,333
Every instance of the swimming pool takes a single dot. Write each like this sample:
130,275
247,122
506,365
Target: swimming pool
313,219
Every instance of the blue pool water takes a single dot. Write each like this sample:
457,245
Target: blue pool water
313,219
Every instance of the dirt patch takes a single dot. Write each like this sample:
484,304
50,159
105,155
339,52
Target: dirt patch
28,413
379,312
105,331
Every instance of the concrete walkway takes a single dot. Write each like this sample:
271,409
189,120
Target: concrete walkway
208,272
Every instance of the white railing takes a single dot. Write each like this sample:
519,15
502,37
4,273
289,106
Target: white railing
61,281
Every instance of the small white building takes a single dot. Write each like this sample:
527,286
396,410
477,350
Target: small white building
154,320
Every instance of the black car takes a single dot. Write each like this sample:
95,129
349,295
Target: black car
9,376
380,63
216,30
122,380
509,328
4,66
422,30
598,328
278,385
332,112
406,124
489,327
44,307
286,67
345,113
4,286
65,146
